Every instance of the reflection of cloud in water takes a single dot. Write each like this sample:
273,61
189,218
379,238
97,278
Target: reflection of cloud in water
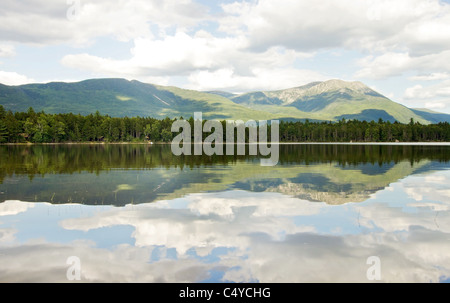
324,258
270,238
209,221
9,208
46,262
226,204
432,187
7,235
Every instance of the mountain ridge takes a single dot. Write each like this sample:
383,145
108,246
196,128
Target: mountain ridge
329,100
336,99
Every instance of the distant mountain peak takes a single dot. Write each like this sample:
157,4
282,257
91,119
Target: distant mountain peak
335,84
329,100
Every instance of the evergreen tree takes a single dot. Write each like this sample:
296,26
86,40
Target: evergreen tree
3,132
13,127
155,133
2,112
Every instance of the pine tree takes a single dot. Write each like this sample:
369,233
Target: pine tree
3,132
2,112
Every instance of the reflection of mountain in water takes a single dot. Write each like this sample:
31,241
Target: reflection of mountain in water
124,174
332,184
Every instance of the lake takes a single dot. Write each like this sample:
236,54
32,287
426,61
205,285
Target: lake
137,213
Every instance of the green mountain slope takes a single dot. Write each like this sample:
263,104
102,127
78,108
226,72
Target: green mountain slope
432,116
319,101
120,98
334,100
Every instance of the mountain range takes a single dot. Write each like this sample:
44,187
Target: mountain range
318,101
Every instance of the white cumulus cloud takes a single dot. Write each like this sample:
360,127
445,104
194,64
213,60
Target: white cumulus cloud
13,78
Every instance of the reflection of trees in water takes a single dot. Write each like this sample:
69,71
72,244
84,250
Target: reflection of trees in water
123,174
49,159
362,154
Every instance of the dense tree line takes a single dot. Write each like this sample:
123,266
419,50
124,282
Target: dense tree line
21,127
363,131
55,128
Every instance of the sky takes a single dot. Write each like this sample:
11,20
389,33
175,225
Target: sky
401,48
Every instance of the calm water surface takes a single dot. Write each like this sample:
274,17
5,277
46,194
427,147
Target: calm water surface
136,213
